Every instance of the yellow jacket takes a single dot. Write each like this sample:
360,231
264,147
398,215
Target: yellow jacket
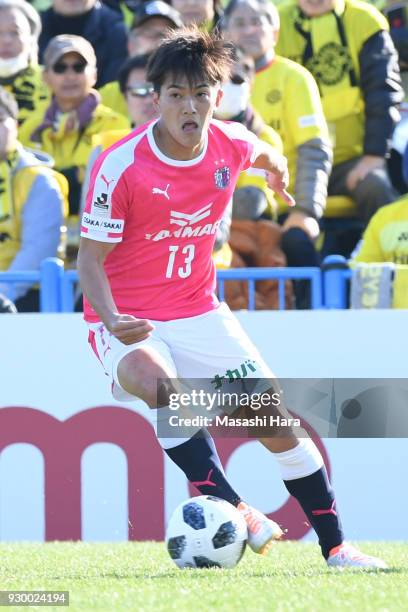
332,55
386,236
286,96
23,177
386,241
71,149
113,98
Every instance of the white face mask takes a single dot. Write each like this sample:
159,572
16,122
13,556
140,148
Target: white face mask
234,101
11,66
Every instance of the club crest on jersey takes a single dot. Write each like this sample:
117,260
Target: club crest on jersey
222,177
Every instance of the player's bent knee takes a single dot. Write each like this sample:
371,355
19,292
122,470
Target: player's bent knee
144,374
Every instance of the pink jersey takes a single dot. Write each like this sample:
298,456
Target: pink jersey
163,214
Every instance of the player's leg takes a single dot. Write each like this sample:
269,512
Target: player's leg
218,337
305,477
196,456
146,370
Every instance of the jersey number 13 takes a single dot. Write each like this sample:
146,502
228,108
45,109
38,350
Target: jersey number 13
185,270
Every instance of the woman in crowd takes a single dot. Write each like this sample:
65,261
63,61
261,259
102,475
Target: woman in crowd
20,74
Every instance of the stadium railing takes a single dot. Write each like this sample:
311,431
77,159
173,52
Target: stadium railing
251,275
329,285
49,278
280,274
67,297
336,276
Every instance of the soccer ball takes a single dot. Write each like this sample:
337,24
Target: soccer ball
206,531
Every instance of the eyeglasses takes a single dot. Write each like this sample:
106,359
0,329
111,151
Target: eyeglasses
140,91
61,67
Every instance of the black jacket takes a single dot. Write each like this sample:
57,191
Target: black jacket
101,26
381,86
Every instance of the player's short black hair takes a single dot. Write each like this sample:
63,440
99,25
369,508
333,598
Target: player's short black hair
8,104
137,61
199,56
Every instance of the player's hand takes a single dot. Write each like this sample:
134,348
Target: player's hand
278,181
364,166
128,329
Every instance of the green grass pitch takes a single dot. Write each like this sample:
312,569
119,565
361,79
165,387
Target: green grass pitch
141,577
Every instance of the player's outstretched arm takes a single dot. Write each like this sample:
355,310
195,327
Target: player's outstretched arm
95,285
276,167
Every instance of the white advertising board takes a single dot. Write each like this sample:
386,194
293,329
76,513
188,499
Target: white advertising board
76,464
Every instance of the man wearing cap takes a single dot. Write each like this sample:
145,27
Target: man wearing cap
31,206
20,74
100,25
151,22
66,128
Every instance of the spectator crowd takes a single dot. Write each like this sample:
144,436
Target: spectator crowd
324,81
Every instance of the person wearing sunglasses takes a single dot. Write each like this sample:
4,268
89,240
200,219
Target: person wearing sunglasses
137,92
138,96
151,22
66,127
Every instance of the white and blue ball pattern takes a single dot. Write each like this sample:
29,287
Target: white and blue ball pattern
206,531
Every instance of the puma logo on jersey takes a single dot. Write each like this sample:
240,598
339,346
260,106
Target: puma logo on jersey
106,181
163,192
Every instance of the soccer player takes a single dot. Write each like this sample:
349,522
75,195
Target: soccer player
154,204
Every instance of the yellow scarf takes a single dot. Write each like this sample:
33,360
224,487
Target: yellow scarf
326,53
6,194
28,89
